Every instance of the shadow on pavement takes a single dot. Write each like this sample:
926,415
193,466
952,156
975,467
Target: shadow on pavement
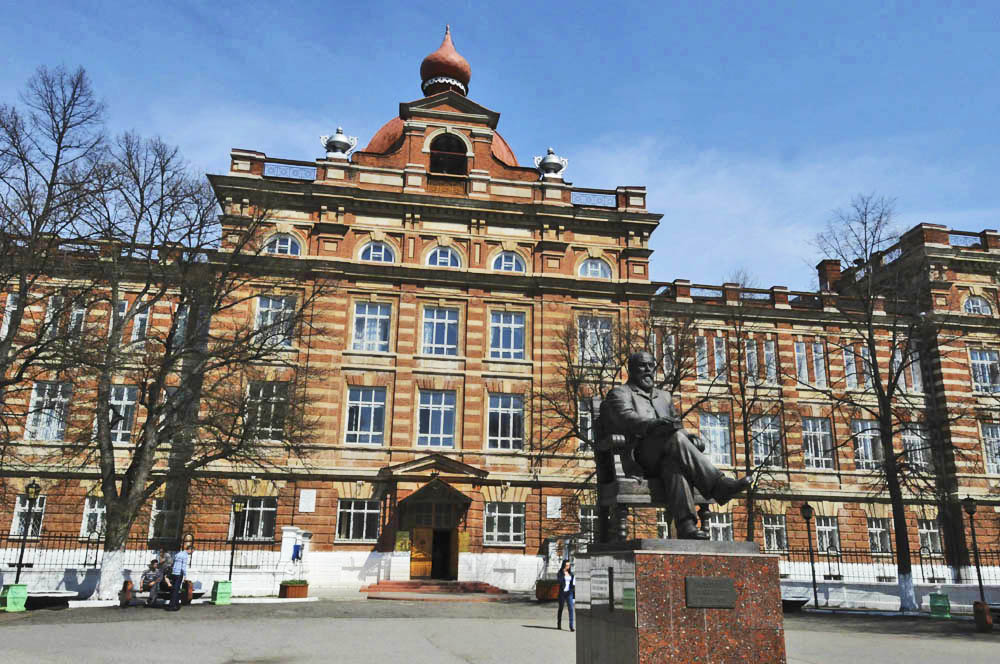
879,624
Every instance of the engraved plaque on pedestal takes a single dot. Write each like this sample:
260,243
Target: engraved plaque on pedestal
709,592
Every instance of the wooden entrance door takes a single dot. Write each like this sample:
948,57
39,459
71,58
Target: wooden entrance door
421,548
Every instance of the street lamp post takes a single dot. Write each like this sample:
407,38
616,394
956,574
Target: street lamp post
238,505
969,505
31,491
807,513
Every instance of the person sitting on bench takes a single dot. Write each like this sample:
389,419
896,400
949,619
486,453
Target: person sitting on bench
150,581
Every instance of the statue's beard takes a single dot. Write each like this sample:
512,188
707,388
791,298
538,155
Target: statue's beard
646,381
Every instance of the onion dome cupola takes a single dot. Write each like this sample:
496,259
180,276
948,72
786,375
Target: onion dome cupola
445,69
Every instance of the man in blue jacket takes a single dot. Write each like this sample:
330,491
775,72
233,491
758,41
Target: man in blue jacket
177,574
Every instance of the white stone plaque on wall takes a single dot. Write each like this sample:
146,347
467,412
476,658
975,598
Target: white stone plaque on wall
553,507
307,500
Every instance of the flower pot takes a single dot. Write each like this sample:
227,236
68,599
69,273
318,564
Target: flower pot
13,597
222,591
546,590
293,591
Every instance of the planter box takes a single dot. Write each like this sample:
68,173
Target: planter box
293,592
13,596
222,591
547,590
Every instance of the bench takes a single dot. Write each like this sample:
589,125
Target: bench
622,482
130,592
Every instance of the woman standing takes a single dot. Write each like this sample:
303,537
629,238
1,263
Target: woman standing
567,593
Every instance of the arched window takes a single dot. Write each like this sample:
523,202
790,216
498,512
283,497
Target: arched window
283,245
378,252
977,305
508,261
444,257
595,268
448,155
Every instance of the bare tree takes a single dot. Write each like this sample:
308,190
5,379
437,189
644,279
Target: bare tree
883,301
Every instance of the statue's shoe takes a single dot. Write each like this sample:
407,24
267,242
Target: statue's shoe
727,487
690,531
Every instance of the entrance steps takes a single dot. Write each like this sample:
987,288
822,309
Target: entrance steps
433,590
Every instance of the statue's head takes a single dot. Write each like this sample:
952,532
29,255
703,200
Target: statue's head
642,369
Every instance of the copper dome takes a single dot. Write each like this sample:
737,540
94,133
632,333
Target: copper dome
443,66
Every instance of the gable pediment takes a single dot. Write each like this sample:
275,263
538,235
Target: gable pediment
431,466
450,105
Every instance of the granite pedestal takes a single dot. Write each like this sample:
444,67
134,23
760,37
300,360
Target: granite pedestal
652,600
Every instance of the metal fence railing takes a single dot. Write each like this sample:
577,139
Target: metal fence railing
863,566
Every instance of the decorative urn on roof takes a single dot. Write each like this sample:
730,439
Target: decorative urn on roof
551,165
445,69
338,145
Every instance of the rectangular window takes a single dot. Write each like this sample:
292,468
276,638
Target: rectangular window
93,517
371,326
366,415
801,363
669,354
118,318
77,319
440,331
985,370
819,364
753,368
121,412
850,368
507,335
766,432
879,531
275,319
10,305
916,374
930,535
662,525
991,439
165,519
20,521
817,442
267,406
775,536
506,429
588,521
714,430
504,523
585,424
140,322
701,357
180,326
53,317
770,363
827,534
720,527
436,418
357,520
721,365
867,444
48,411
916,446
595,340
256,520
867,370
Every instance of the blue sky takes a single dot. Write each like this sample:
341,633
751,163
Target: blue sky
748,122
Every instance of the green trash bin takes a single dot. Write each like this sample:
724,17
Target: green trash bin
13,597
940,605
222,592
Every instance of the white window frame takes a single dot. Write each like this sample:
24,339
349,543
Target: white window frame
444,257
662,525
122,406
715,432
585,423
594,268
508,261
365,415
916,447
819,364
378,252
276,319
169,511
929,535
262,506
916,374
867,444
817,443
701,357
752,365
775,532
505,425
594,333
720,527
850,368
48,412
53,317
372,327
879,535
354,515
17,523
504,329
140,322
867,368
438,406
991,443
978,305
10,304
827,534
283,244
440,331
494,514
264,399
77,320
767,447
770,363
801,363
669,354
984,365
93,510
589,521
720,358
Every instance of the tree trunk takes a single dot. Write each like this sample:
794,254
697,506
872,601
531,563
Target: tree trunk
751,501
904,567
113,572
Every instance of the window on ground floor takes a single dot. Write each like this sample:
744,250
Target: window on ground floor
827,534
256,520
504,523
929,534
357,520
165,519
588,521
20,521
775,537
93,517
720,527
878,535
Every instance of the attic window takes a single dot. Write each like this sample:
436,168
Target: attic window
448,155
